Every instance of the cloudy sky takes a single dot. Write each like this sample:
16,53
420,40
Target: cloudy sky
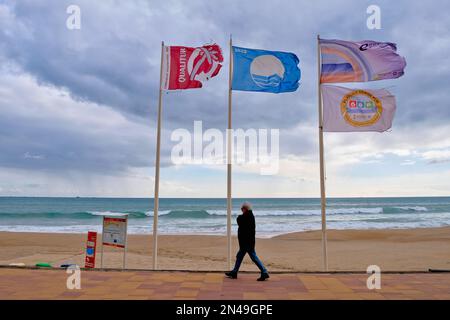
78,107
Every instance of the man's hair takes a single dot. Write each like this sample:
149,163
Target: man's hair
247,205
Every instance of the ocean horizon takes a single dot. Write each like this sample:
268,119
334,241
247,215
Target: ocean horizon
274,216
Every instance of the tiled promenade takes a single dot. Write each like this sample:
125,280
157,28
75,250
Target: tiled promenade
51,284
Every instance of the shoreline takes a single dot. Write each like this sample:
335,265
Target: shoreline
417,249
150,234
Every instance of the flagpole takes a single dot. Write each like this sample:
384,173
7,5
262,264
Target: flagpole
322,164
158,149
229,157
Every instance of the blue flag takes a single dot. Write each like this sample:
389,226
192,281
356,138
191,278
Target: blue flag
266,71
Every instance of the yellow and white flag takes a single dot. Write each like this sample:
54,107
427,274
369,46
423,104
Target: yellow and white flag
349,110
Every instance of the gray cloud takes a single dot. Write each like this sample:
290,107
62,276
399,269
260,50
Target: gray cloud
112,63
114,59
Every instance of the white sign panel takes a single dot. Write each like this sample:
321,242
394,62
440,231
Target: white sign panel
114,231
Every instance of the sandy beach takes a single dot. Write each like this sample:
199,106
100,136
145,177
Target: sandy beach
353,250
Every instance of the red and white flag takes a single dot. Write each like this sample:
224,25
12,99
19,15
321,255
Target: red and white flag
187,67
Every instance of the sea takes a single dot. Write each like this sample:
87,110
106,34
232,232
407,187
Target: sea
274,216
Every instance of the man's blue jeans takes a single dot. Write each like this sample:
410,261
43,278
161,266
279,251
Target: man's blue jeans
251,252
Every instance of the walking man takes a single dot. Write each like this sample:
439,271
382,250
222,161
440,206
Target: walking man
246,236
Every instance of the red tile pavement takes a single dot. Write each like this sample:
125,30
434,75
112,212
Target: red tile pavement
16,283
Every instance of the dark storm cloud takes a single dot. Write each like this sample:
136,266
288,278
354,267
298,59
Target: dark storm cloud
42,128
95,63
114,58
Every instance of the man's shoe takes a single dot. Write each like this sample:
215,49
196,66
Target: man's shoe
263,277
231,274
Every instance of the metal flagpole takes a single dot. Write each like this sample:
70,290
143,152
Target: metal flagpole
322,165
229,157
158,149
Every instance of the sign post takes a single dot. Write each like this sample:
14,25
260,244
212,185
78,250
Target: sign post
91,244
114,234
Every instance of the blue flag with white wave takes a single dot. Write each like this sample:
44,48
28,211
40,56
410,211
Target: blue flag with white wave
266,71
